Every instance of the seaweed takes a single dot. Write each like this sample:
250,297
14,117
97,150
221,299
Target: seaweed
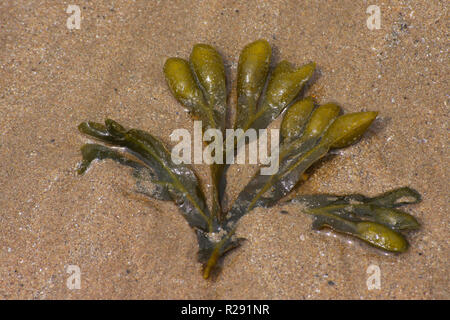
308,133
376,220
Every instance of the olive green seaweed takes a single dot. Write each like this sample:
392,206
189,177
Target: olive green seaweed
362,216
308,133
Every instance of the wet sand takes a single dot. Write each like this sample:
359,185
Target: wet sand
53,78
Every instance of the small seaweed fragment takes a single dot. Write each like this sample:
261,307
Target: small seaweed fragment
299,150
284,84
374,220
176,182
179,181
257,109
200,85
308,133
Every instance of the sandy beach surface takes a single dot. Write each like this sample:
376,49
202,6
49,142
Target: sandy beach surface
127,247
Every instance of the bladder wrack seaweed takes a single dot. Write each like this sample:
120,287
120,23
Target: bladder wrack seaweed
308,132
